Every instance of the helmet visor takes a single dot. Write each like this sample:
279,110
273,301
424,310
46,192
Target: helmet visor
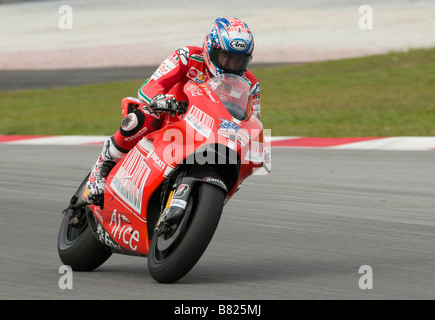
230,62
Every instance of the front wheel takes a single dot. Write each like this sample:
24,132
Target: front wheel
173,254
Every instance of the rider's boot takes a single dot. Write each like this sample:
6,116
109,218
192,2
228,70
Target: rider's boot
108,158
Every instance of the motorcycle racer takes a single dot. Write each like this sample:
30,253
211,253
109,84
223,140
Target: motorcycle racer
227,48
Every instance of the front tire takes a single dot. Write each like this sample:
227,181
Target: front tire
203,212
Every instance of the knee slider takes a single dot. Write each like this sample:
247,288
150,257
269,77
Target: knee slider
132,123
129,122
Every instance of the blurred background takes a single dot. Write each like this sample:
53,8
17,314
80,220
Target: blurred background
109,33
305,58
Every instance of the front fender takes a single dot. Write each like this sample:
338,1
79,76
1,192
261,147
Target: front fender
180,196
221,159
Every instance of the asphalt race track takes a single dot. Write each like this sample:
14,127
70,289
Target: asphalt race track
302,232
37,79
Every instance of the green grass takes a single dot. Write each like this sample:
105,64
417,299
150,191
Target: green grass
385,95
82,110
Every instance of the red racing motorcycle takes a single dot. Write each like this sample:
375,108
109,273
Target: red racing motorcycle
164,199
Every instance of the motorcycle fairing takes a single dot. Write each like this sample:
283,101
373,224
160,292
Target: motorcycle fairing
134,180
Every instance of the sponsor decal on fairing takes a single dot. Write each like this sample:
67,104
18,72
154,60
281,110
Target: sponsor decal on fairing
129,181
233,132
148,148
123,231
200,121
255,152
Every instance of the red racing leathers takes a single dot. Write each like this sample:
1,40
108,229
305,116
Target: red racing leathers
185,64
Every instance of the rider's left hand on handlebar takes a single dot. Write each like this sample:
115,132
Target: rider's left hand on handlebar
162,102
168,103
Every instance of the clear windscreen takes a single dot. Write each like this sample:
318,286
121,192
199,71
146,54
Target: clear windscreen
234,92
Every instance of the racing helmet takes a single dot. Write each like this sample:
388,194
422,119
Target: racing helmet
228,47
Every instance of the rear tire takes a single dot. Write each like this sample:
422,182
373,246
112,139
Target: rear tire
77,247
171,264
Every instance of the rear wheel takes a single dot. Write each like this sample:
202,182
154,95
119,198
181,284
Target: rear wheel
174,253
77,247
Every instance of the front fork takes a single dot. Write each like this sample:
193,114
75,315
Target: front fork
177,201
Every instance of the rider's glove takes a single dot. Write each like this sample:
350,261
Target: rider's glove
163,102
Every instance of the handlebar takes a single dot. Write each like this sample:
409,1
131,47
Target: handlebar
173,106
